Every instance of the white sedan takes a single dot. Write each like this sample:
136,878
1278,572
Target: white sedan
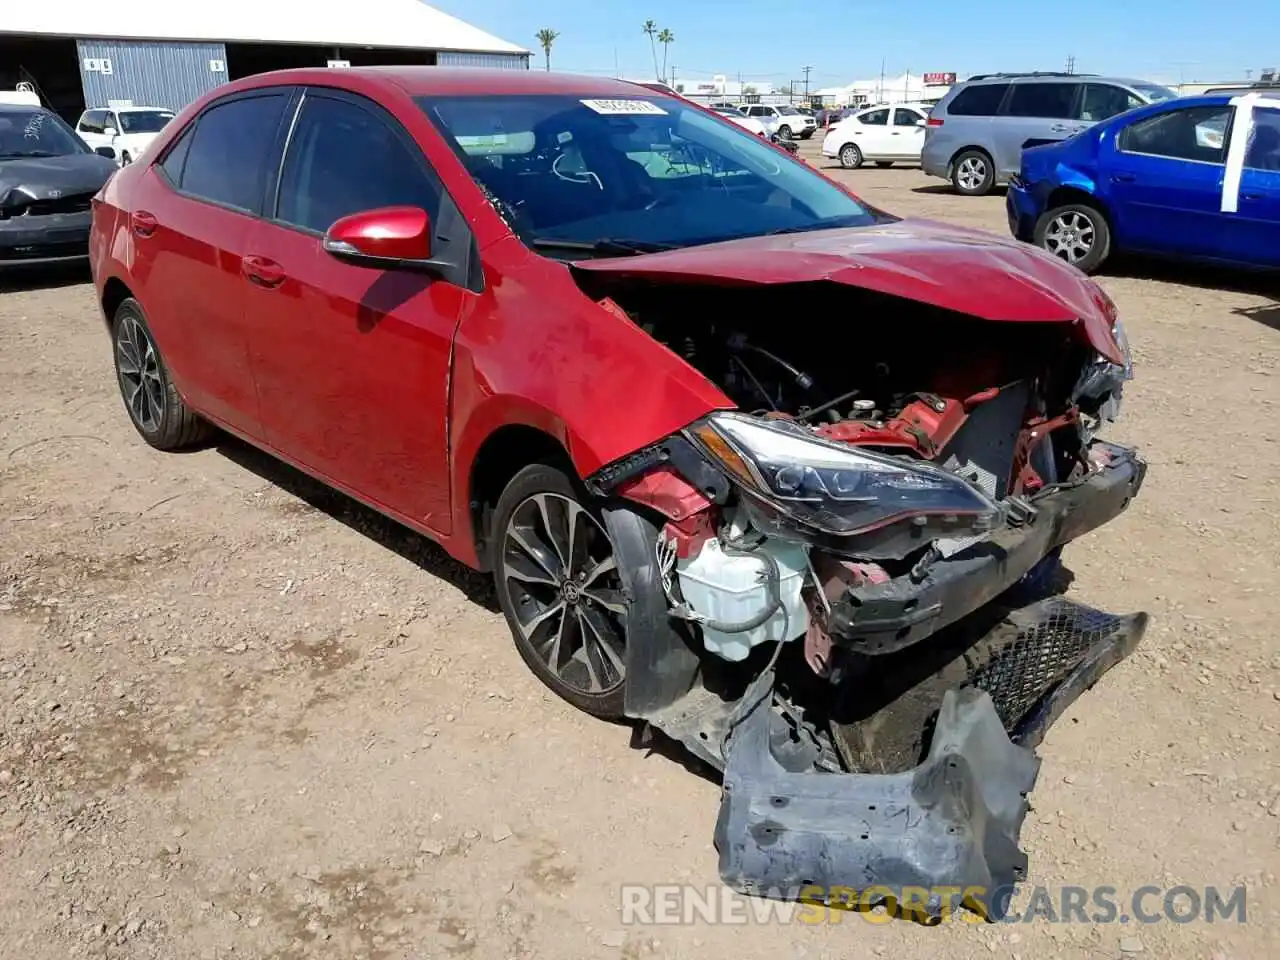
883,135
746,123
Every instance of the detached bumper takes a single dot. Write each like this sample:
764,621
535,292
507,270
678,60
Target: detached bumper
934,836
887,617
31,241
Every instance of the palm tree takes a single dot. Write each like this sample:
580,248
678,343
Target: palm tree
651,30
666,38
546,36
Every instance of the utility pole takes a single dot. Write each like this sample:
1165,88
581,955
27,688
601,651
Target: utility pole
806,83
1071,63
880,91
673,77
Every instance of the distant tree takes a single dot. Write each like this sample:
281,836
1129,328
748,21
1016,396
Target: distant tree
546,36
749,90
651,31
784,90
666,38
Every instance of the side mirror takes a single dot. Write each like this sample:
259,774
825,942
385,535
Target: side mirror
389,238
108,152
110,131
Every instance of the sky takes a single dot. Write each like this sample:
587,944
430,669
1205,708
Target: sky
1163,40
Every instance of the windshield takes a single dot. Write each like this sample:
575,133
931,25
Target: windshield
36,133
649,171
1154,92
144,121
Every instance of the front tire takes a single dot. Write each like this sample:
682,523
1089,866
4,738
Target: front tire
784,132
154,406
973,173
1077,233
557,579
850,156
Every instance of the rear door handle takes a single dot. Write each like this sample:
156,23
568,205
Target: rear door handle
142,223
260,270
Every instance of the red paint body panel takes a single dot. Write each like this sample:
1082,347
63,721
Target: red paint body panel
387,384
967,271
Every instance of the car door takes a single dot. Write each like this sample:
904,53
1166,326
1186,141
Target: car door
1163,175
907,133
1034,113
191,220
352,363
90,129
870,131
1252,233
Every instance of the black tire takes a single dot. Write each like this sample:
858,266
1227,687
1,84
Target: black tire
1053,232
884,164
155,408
784,132
850,156
807,134
536,494
125,159
973,173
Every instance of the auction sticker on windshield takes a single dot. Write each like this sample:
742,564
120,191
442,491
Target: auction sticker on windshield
625,108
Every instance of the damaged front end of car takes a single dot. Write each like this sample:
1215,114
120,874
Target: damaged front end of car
850,610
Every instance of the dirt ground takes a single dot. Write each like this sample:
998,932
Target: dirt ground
242,717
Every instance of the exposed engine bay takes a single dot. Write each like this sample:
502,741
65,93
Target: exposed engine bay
863,561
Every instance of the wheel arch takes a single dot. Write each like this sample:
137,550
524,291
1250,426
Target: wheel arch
973,146
1064,195
114,292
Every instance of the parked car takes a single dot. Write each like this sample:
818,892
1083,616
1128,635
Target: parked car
1162,180
548,322
125,130
48,177
883,135
977,132
746,123
783,120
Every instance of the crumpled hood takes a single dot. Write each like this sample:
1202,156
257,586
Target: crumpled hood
951,267
47,178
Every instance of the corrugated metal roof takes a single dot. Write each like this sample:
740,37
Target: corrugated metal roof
369,23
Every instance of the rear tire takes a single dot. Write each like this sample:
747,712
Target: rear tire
973,173
850,156
1077,233
125,159
155,408
555,573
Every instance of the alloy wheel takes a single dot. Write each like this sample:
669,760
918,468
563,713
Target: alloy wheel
1070,236
850,156
138,367
972,173
561,576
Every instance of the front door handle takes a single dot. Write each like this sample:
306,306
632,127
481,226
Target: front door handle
1123,177
142,223
260,270
1250,196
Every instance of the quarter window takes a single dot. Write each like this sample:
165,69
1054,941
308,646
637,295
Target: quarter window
343,159
878,118
1047,101
227,159
174,160
980,100
1193,133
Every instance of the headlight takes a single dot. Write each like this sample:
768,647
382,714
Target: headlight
1102,381
836,488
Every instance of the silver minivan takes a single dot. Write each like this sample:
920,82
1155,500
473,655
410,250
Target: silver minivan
976,134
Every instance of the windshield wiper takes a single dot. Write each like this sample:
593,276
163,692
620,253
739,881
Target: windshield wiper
603,245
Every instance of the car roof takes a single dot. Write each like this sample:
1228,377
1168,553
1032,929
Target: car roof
1056,77
419,81
24,108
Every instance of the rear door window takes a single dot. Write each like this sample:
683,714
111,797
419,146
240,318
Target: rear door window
227,160
877,118
345,159
906,118
1263,150
1193,133
1047,101
979,100
1101,101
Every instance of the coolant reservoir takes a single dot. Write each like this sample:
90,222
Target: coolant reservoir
730,587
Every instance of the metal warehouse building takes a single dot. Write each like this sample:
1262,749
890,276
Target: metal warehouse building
86,53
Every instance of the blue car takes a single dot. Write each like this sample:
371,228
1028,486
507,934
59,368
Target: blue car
1196,178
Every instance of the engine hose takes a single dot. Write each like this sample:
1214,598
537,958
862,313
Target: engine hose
772,605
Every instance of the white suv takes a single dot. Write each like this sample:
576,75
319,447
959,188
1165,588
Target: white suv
787,122
126,130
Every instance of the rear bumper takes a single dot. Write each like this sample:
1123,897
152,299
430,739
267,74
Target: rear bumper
887,617
1023,209
40,241
935,160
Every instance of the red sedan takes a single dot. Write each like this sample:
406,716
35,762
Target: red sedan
781,474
